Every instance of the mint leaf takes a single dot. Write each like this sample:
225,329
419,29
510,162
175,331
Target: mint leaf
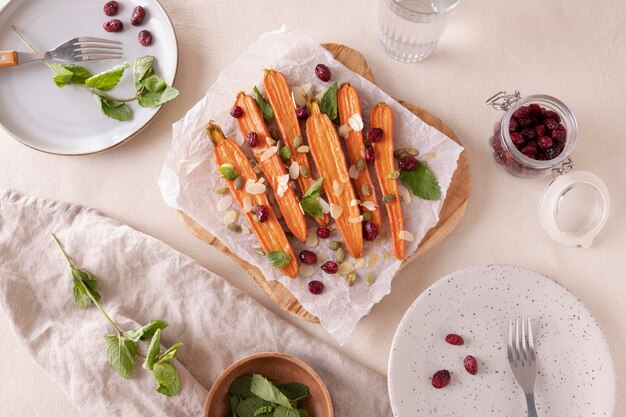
234,401
153,350
114,109
145,332
296,391
314,190
264,389
422,182
278,260
311,206
328,103
154,84
167,379
282,411
228,172
241,387
62,76
106,80
79,74
121,354
261,411
264,107
81,299
246,408
285,153
143,67
169,354
157,99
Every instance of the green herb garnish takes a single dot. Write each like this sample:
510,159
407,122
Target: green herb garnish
264,107
328,103
422,182
228,171
255,395
284,153
278,259
310,200
121,347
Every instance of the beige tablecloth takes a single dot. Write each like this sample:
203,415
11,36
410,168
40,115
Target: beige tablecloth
141,279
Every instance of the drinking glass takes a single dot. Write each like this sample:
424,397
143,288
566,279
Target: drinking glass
410,29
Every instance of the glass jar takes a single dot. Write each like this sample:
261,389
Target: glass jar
511,157
576,204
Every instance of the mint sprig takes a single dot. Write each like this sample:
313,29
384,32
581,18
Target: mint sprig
278,259
264,106
422,182
255,395
122,347
328,103
310,200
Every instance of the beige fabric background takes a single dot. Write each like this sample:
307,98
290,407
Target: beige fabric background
572,49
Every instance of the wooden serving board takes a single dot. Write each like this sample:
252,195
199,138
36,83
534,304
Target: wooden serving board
451,212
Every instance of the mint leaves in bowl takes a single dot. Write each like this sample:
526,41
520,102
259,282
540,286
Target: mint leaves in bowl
269,384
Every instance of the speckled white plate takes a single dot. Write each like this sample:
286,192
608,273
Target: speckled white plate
575,370
67,120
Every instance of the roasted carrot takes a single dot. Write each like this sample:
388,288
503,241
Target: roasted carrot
272,167
349,105
280,98
331,164
381,117
270,233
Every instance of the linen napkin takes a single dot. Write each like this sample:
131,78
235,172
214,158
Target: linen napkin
141,279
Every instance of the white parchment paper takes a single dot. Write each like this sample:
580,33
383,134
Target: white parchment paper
189,176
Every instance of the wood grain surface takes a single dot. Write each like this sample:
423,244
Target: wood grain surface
450,216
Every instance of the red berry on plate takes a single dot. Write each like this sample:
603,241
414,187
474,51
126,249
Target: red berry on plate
316,287
137,17
471,366
330,267
407,163
375,135
252,139
302,113
113,25
262,213
370,231
323,232
236,112
368,153
145,38
440,379
307,257
454,339
110,9
544,142
322,72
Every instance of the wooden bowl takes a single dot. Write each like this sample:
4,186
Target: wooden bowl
274,366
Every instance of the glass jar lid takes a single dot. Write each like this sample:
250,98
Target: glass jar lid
574,208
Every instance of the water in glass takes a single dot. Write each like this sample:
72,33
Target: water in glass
410,29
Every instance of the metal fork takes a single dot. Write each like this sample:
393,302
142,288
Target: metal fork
82,48
521,353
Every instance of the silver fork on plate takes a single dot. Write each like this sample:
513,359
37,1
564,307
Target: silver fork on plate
521,353
82,48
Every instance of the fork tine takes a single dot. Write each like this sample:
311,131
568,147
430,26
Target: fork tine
525,355
86,45
95,51
509,345
92,39
518,342
531,343
98,56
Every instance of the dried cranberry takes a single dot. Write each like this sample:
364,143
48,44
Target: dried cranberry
145,38
236,111
330,267
522,112
534,109
454,339
540,130
307,257
544,142
375,135
138,14
440,379
470,364
113,25
110,9
408,163
551,114
526,122
529,133
302,112
252,139
551,123
262,213
323,232
322,72
513,124
559,135
316,287
370,231
368,153
530,150
517,138
552,152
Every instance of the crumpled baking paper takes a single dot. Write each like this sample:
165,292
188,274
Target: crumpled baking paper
190,176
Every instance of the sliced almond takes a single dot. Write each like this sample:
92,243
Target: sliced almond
406,235
299,97
245,229
311,240
224,203
344,131
404,193
306,87
283,179
268,153
359,263
306,270
356,122
370,205
256,188
231,217
270,141
353,172
358,219
345,268
294,170
335,211
261,180
337,188
324,206
354,202
281,189
302,149
247,204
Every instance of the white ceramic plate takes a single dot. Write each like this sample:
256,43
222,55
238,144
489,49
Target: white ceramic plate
575,370
67,120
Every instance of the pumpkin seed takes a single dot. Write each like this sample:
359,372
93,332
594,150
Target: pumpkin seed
351,278
369,279
258,250
238,183
367,216
304,171
360,165
233,227
393,174
398,153
388,198
221,190
411,151
365,189
340,256
334,245
297,141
